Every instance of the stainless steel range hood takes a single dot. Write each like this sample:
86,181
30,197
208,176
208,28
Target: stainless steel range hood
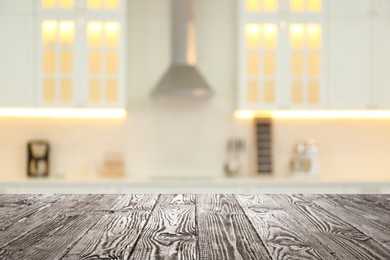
183,78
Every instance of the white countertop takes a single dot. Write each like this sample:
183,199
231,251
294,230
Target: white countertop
204,185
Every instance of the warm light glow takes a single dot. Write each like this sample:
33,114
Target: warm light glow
94,34
66,93
269,91
49,62
270,36
252,92
314,36
320,114
297,64
94,4
314,5
252,64
66,62
66,4
269,66
63,113
48,3
94,61
111,91
49,32
112,34
297,36
66,32
191,46
243,114
270,5
252,32
112,62
94,93
297,5
112,4
252,5
261,5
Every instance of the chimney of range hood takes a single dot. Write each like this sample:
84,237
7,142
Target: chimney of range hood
182,77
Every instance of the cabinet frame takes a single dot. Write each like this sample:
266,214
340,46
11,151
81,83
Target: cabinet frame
81,16
282,18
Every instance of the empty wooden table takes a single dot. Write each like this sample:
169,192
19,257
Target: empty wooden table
186,226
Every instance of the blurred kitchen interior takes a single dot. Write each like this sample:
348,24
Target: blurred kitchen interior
168,143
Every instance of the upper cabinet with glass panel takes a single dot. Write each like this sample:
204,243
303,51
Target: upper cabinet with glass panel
281,57
283,6
261,5
81,53
81,6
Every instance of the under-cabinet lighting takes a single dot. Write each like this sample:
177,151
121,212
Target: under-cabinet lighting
242,114
333,114
63,113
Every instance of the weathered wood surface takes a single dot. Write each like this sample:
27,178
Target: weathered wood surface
185,226
224,230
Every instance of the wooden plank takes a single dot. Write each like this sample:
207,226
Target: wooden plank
114,236
380,201
25,218
59,228
372,221
224,230
283,236
340,238
15,207
170,232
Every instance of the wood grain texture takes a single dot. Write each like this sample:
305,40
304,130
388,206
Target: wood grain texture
17,207
371,220
339,237
185,226
49,233
281,233
170,232
114,236
224,230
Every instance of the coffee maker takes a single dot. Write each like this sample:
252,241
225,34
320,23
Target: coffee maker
38,158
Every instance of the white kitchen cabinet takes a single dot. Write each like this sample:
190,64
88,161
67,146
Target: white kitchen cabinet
350,85
7,6
382,7
81,6
16,59
350,7
206,186
382,62
306,64
81,53
282,57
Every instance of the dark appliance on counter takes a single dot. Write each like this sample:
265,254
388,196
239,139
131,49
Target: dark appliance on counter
38,158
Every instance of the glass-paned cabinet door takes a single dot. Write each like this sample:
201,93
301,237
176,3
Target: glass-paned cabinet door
259,57
57,5
306,72
82,6
261,6
283,6
104,5
56,62
305,6
105,64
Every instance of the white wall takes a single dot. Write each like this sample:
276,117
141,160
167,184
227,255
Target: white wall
186,137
